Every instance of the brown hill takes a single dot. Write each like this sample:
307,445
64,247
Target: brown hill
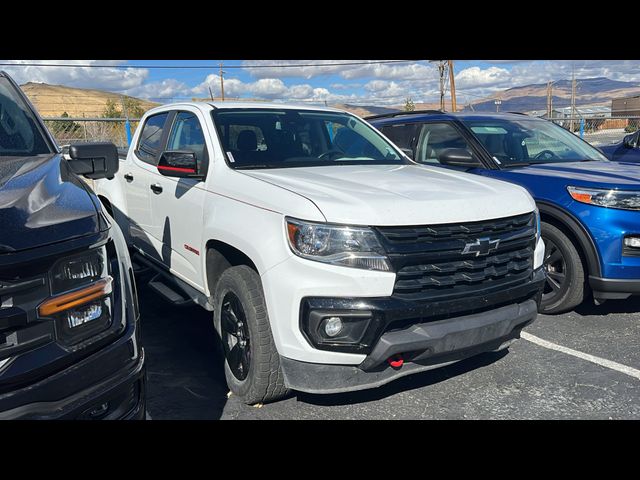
54,100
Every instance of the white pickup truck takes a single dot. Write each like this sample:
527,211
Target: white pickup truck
331,262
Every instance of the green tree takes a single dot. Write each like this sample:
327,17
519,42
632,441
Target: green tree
133,107
111,110
409,106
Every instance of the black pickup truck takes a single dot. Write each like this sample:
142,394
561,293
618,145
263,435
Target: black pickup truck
69,334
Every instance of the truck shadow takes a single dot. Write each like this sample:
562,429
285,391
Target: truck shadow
404,384
185,376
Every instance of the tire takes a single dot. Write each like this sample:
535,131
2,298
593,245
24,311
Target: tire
565,287
252,370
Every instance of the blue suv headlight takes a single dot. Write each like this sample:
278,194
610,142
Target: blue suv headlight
608,198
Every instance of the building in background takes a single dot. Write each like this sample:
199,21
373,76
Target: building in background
626,106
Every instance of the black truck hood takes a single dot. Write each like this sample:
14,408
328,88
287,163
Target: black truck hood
42,202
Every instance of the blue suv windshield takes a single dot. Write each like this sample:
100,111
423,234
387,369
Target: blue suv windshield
514,142
256,138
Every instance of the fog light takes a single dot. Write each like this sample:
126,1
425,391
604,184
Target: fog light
332,326
86,313
632,242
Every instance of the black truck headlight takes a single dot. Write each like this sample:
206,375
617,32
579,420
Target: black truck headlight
348,246
81,301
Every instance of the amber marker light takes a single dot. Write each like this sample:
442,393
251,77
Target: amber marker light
60,303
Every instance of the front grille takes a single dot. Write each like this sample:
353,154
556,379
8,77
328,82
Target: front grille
430,263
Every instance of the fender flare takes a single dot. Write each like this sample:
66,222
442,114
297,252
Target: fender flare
577,229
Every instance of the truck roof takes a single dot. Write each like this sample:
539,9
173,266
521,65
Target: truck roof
254,105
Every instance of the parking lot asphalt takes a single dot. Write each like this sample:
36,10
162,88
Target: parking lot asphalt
531,381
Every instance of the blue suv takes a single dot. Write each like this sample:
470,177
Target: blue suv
589,206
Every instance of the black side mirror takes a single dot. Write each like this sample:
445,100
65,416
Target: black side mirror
628,141
94,160
408,152
458,157
179,163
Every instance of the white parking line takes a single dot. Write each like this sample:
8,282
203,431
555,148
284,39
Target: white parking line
585,356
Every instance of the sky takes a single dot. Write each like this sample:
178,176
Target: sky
331,81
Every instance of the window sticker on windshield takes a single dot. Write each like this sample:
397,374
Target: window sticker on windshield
231,159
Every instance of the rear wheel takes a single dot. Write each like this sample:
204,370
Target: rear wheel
565,285
252,364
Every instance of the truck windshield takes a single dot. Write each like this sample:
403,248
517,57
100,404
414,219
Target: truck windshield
268,138
19,132
529,141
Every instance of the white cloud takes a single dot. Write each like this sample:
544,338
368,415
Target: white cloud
387,71
474,77
113,79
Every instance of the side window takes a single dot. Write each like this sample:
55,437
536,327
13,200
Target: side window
402,134
436,138
150,138
187,134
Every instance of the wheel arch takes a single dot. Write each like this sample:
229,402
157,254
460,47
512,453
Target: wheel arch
220,256
571,225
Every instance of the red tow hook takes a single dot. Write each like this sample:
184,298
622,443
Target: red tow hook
396,361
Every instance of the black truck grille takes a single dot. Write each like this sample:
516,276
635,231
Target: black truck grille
430,263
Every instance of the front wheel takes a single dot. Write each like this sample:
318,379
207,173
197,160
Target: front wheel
252,364
565,285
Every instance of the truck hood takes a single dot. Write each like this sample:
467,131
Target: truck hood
400,195
42,202
597,174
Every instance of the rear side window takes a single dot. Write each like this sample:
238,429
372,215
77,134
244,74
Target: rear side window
150,140
403,134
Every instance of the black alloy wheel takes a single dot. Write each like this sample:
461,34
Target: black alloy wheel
235,336
555,266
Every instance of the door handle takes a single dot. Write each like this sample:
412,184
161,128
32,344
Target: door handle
128,177
156,188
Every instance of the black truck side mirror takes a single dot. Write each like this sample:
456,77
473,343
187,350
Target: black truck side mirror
94,160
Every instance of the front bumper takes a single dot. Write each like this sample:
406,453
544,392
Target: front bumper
423,346
109,385
613,288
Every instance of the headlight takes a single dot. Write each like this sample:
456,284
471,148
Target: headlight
81,289
625,200
356,247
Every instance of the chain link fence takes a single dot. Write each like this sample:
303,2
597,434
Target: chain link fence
68,130
599,131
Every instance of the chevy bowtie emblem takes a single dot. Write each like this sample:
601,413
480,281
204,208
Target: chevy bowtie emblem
482,246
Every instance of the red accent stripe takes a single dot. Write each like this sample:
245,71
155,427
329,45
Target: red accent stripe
191,249
176,169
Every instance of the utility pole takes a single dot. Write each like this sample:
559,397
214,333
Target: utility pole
452,81
441,68
549,100
222,82
573,97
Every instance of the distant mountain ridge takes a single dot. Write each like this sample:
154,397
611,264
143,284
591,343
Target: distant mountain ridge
54,100
590,91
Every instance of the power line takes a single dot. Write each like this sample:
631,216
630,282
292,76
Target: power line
205,67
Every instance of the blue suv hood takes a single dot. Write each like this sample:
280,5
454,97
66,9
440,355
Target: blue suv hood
42,202
625,176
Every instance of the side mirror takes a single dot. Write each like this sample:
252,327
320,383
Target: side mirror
179,163
628,141
408,152
458,157
94,160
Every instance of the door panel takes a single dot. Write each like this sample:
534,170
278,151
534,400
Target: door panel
138,176
178,210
